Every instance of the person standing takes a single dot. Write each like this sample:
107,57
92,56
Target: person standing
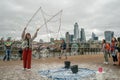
114,50
20,51
105,51
8,47
27,48
63,49
118,47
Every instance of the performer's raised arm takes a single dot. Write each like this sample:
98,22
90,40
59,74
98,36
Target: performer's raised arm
35,35
23,33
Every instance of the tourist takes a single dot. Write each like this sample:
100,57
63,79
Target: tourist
20,51
27,48
63,49
8,46
118,47
114,50
105,51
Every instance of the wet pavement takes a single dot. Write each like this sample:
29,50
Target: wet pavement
12,70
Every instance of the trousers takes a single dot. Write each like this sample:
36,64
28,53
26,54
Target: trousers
27,55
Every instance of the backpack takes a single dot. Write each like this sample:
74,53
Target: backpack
107,46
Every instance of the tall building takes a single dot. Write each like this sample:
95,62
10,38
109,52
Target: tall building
41,41
2,39
51,39
62,38
82,35
93,35
108,35
67,36
76,31
71,38
96,38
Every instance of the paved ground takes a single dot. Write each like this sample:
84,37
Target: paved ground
12,70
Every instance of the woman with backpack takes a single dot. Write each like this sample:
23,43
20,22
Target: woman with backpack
27,48
105,51
114,50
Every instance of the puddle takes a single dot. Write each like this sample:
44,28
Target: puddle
66,74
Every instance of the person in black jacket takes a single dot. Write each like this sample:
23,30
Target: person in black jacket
20,51
63,49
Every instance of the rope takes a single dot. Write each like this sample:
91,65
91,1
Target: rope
50,19
45,24
57,33
45,21
32,17
59,25
47,14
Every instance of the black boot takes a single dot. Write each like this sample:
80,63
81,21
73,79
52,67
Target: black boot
4,58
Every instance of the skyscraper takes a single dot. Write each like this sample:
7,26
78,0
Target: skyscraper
51,39
82,34
67,35
41,41
76,31
71,38
108,35
93,35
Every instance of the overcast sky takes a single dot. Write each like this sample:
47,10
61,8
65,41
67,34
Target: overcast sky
92,15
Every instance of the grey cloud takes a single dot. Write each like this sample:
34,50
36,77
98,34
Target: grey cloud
90,14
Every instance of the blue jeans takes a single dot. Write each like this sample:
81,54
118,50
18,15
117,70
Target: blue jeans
7,55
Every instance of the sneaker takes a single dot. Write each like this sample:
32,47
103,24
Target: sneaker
106,63
29,69
24,69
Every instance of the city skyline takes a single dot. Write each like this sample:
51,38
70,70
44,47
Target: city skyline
108,35
93,15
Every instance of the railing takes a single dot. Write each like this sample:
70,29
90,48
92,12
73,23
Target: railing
48,53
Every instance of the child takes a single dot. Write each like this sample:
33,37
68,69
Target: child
27,48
